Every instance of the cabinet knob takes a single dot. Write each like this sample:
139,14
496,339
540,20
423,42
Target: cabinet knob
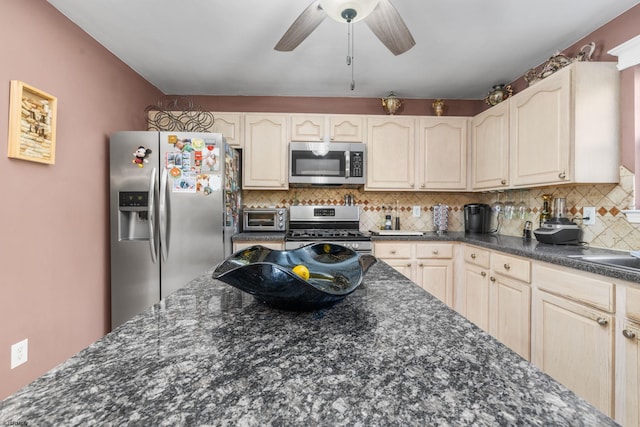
483,274
507,267
393,252
473,256
503,182
435,252
602,321
422,186
628,334
562,175
408,264
421,265
492,278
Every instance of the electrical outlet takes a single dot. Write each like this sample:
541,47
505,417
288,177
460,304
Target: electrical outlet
589,212
416,211
19,353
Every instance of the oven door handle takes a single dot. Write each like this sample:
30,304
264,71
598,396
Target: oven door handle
347,163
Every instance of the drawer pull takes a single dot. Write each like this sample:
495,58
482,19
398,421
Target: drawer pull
628,334
507,267
435,252
393,252
408,264
602,321
503,182
483,274
492,278
473,256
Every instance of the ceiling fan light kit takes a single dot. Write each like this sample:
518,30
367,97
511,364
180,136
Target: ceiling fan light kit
348,10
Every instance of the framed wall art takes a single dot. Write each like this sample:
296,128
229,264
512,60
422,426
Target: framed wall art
32,124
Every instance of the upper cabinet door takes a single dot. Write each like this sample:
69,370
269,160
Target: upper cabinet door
442,162
346,128
490,148
230,126
265,158
391,152
342,128
541,132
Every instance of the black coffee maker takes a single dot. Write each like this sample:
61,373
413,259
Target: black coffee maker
477,218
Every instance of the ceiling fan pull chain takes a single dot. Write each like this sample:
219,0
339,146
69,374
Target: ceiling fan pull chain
350,53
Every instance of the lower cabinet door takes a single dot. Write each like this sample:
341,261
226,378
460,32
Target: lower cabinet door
510,309
404,266
631,376
574,344
436,277
475,296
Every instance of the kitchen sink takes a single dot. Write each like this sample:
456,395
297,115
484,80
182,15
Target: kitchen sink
622,261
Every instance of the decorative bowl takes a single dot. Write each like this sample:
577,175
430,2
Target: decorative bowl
335,271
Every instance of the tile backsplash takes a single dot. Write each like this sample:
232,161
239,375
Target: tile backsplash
611,229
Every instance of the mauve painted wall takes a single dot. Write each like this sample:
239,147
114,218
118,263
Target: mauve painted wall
54,252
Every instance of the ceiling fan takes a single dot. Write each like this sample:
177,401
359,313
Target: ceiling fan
382,18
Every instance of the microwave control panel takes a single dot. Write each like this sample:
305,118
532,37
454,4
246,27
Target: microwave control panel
357,161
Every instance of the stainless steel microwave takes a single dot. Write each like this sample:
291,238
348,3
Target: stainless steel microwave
327,163
264,219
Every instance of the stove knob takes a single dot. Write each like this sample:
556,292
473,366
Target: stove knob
354,246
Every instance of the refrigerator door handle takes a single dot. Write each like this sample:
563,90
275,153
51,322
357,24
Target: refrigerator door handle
152,217
163,213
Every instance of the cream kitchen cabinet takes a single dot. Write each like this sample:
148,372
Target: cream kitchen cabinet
565,128
474,286
496,296
265,155
573,332
630,360
430,265
434,270
398,255
489,142
442,158
391,153
342,128
230,125
510,302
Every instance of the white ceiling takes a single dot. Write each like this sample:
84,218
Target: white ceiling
225,47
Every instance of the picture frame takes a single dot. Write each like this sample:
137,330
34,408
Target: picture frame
32,124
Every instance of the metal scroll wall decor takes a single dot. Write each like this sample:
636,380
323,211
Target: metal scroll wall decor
178,115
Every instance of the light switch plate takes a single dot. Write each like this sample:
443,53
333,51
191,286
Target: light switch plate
589,212
416,211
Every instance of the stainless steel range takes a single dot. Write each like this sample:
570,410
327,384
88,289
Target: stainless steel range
331,224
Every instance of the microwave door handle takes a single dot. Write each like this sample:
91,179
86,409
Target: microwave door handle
347,163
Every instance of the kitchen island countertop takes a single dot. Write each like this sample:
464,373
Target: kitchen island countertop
389,354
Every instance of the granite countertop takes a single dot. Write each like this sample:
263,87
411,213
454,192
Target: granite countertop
389,354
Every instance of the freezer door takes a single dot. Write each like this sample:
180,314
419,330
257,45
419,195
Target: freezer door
191,206
135,270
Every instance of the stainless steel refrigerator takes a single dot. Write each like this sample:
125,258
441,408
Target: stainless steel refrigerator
174,205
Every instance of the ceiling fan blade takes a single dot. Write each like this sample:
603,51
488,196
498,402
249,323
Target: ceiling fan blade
387,24
304,25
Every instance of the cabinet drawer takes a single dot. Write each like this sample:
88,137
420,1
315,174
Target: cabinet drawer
434,250
476,256
393,250
633,304
509,266
578,287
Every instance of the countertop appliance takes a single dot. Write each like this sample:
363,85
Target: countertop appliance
331,224
477,218
327,163
559,230
264,219
174,205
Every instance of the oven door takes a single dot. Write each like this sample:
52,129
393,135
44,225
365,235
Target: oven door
323,163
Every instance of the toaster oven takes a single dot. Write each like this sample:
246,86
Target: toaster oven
264,219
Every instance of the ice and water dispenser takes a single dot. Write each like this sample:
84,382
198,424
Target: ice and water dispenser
133,215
